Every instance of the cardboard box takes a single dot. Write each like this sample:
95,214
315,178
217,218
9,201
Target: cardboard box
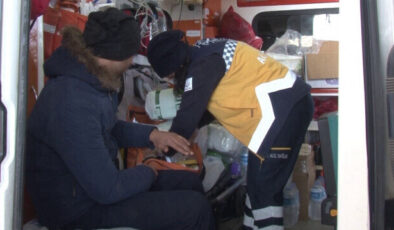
323,65
304,176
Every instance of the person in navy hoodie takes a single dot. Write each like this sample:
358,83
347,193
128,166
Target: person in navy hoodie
73,138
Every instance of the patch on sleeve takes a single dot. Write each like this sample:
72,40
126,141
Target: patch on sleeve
188,84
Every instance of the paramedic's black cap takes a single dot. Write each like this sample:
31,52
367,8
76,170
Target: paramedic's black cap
167,52
111,34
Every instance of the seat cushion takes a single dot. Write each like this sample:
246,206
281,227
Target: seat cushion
34,225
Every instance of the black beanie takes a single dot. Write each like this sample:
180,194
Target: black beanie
167,52
111,34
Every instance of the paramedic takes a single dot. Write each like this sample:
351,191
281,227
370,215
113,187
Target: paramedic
258,100
73,138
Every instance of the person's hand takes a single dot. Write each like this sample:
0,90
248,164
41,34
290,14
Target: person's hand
163,140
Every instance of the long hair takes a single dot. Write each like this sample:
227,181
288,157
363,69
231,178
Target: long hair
74,42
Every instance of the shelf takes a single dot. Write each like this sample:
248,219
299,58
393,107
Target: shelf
324,92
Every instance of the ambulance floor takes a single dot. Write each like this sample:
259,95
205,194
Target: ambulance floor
235,224
310,225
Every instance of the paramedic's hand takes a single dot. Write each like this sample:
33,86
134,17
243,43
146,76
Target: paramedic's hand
163,140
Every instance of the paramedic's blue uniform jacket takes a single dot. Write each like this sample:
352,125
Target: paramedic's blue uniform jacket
261,103
245,90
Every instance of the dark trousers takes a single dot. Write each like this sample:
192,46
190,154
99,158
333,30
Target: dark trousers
175,201
266,180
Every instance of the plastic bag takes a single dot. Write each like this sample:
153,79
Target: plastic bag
213,169
233,26
221,140
290,48
293,43
202,139
293,62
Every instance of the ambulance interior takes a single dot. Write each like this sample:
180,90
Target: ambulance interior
301,34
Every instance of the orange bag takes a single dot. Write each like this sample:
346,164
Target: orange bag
57,18
140,115
135,156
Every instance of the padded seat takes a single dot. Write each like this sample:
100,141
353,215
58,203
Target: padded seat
34,225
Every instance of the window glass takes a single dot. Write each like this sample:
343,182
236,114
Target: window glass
320,24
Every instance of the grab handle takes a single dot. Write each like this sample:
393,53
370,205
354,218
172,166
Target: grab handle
3,131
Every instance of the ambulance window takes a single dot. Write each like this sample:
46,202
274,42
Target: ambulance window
319,23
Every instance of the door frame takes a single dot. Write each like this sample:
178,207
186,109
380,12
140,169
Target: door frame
14,56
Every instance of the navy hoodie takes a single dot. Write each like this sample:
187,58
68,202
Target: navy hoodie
72,141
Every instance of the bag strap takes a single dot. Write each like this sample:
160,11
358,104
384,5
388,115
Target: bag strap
164,165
